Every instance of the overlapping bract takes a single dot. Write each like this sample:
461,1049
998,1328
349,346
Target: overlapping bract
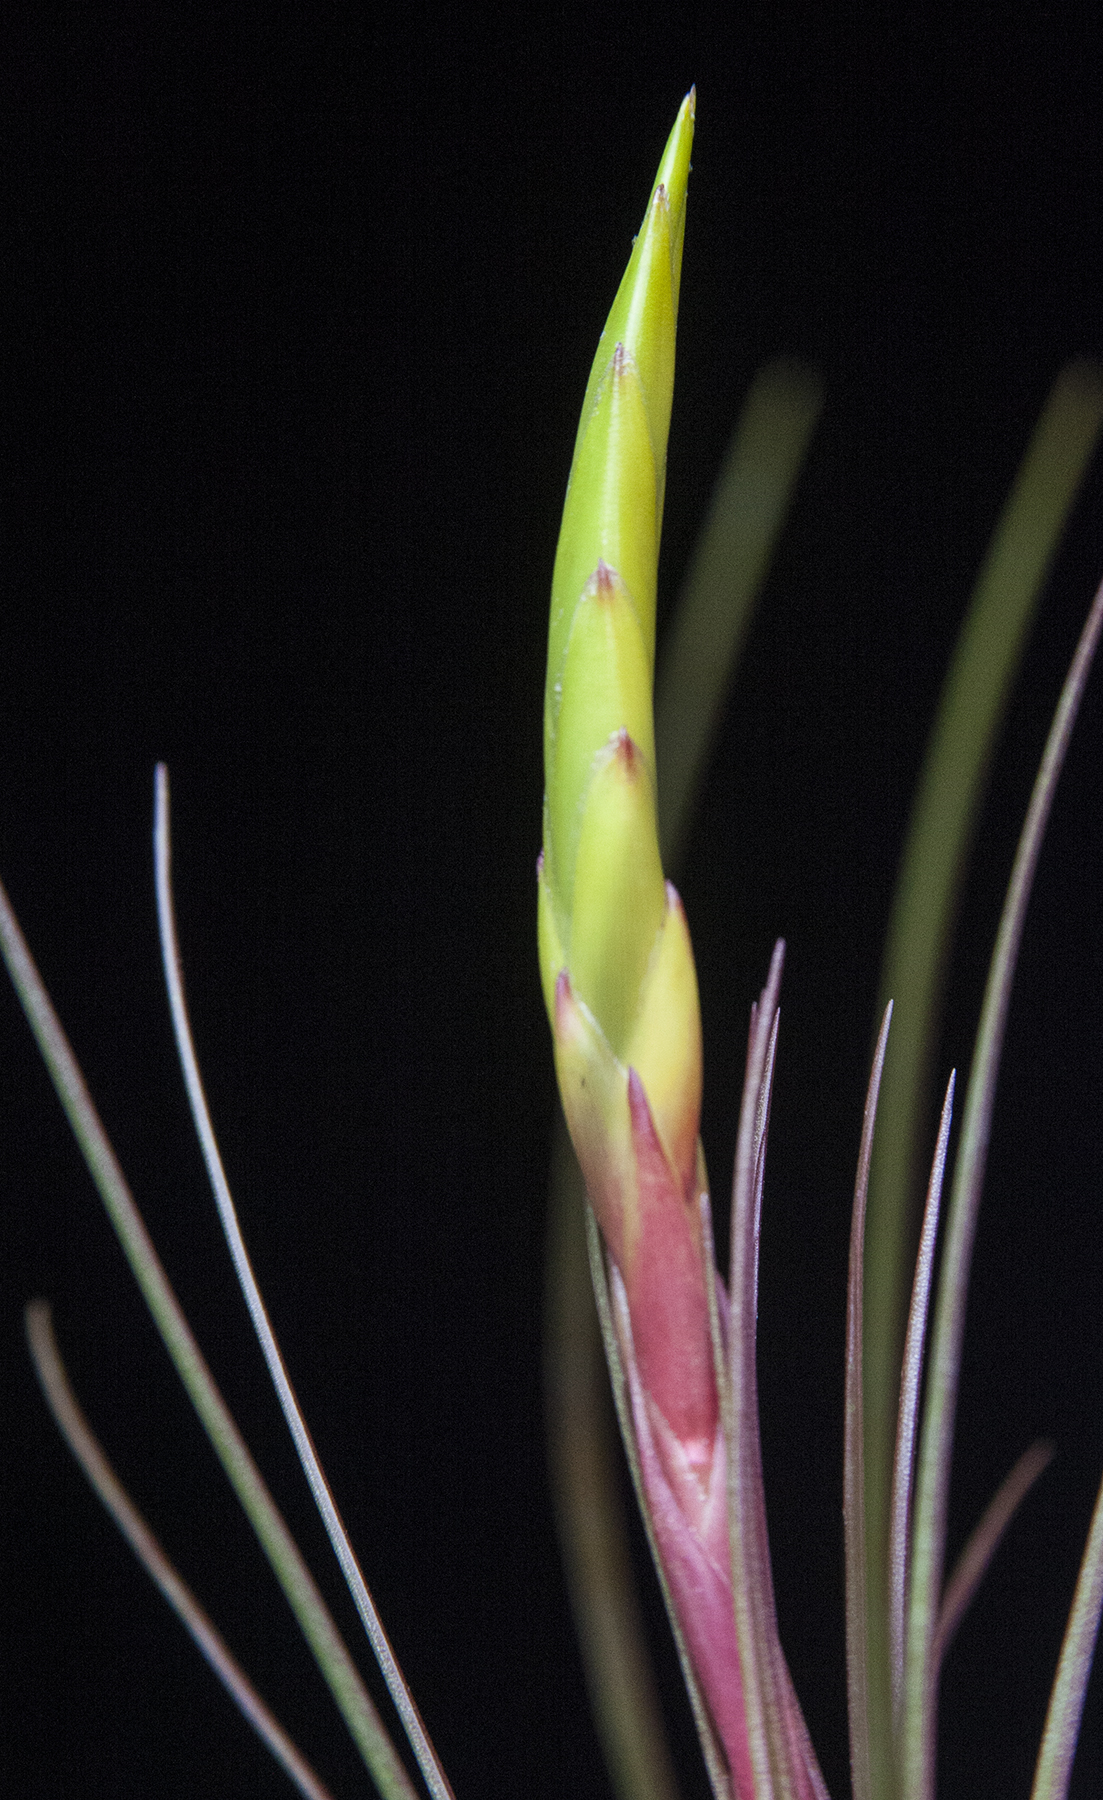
615,955
617,965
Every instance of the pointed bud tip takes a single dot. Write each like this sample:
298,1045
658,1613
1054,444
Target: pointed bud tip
638,1104
627,752
604,579
563,996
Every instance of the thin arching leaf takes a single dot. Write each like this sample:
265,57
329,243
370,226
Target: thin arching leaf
920,1671
604,1293
420,1742
857,1655
1066,1703
750,1559
947,801
586,1485
984,1540
315,1621
89,1452
727,568
783,1763
903,1470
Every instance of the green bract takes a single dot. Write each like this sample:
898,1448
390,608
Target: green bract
603,905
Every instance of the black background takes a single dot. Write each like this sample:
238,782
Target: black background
304,312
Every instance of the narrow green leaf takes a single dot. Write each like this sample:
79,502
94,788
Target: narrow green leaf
920,1672
727,569
714,1756
958,757
420,1742
766,1699
1066,1703
983,1542
593,1530
89,1452
857,1660
338,1668
903,1468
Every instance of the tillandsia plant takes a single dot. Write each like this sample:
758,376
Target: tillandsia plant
621,992
620,988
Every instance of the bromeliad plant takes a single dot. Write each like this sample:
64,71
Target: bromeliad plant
621,993
620,988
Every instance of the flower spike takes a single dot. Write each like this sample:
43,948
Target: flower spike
616,960
620,988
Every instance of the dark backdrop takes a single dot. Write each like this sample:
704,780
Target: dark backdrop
304,312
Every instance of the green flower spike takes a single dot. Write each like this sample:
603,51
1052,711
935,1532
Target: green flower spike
616,961
621,992
615,956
